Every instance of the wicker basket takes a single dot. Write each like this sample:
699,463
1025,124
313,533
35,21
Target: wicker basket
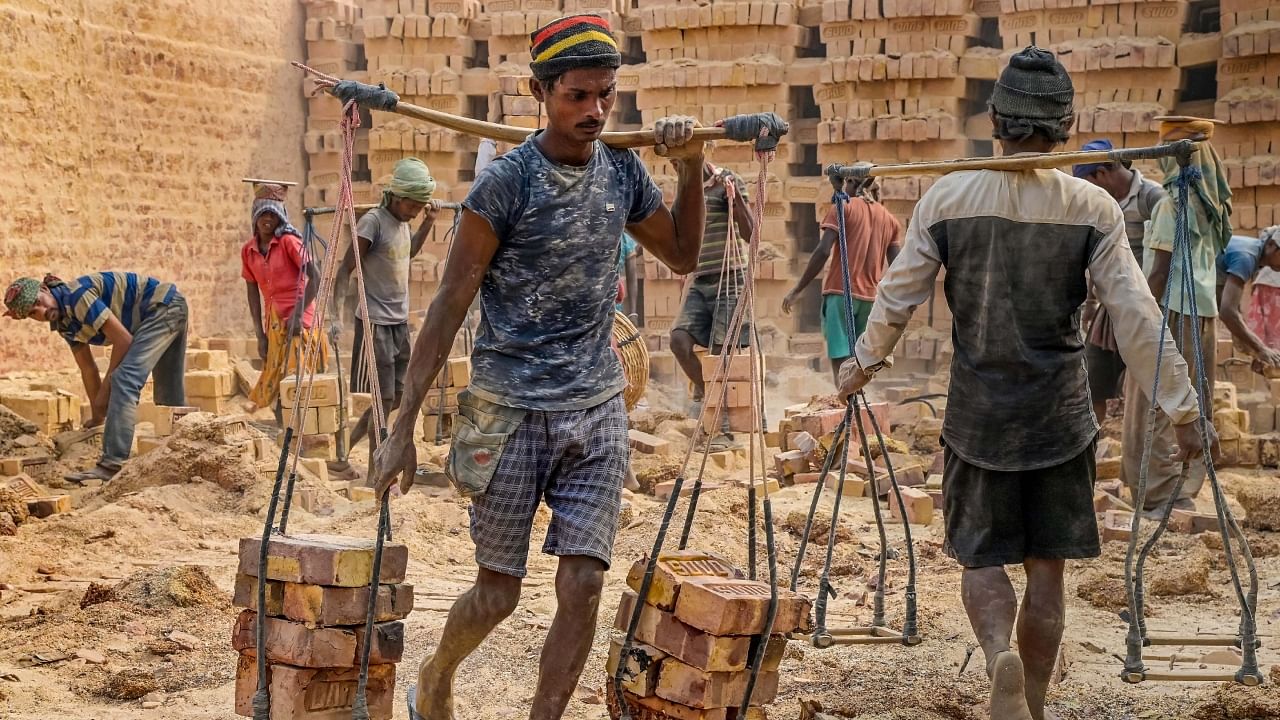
635,358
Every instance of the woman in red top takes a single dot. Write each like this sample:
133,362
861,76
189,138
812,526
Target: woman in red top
276,267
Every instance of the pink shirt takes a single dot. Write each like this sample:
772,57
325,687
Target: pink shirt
278,274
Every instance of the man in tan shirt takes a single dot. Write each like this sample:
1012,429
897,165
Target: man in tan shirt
1019,429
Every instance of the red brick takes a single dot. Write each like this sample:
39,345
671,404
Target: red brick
663,490
791,462
314,694
1116,525
919,506
293,643
22,484
655,708
691,687
324,390
854,486
1184,521
649,444
739,368
43,507
810,478
664,632
675,567
1108,468
641,674
324,560
738,607
319,605
1104,501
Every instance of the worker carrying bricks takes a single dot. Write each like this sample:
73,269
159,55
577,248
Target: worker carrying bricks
276,266
1209,231
544,417
1138,198
1019,432
1242,262
714,286
386,245
872,234
142,319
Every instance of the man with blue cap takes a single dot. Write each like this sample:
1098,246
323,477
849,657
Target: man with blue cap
1137,197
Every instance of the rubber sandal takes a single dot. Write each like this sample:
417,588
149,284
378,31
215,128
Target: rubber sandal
409,696
97,472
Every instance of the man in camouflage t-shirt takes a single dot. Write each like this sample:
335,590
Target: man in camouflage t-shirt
543,418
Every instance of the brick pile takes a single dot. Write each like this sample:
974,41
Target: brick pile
210,381
335,35
1249,101
317,600
1246,413
50,410
441,403
698,627
40,502
729,388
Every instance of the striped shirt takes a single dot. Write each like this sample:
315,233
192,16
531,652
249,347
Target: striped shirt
87,303
716,231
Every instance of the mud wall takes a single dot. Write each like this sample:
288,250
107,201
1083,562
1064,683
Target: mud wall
126,129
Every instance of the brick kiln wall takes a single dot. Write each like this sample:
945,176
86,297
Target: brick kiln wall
127,128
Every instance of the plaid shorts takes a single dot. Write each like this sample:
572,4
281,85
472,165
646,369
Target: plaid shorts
575,460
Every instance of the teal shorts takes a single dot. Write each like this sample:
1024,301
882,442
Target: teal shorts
835,328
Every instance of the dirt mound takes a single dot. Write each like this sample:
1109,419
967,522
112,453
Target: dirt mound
648,420
13,427
1262,546
14,505
651,470
1186,575
1230,701
216,449
795,521
127,684
1102,591
182,586
1261,502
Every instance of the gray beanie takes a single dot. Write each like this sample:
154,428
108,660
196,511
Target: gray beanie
1034,86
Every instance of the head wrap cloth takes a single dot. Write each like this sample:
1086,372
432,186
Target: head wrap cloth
21,296
270,197
570,43
410,179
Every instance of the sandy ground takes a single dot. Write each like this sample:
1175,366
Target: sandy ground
168,551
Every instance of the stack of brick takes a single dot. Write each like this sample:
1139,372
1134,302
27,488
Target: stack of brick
728,389
51,411
690,659
316,606
320,424
334,33
1246,418
1122,56
441,402
210,381
1249,101
162,419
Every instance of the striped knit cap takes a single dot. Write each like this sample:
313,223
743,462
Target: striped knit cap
1034,86
576,41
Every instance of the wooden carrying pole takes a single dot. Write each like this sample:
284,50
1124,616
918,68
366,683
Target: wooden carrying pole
312,211
1029,161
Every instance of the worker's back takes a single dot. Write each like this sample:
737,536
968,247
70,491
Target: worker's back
1016,246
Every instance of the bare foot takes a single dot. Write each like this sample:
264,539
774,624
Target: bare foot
434,699
1008,688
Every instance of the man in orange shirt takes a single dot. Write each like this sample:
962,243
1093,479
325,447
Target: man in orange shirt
872,243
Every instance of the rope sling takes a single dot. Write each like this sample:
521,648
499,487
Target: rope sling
344,217
744,312
823,636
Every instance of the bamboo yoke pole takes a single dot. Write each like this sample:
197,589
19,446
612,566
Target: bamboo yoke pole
763,129
1029,161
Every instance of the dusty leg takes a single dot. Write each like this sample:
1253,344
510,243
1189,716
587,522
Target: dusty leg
578,583
992,606
835,369
1040,623
360,430
471,619
682,344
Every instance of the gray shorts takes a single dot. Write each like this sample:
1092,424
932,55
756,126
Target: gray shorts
391,354
707,311
575,460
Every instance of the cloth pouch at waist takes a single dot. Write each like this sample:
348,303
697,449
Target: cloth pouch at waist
1101,333
480,433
